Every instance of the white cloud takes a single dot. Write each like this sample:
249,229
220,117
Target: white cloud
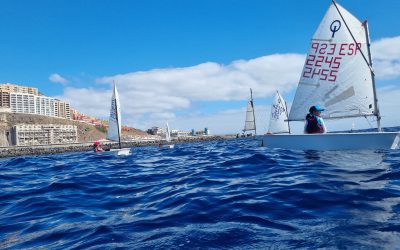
386,48
211,81
388,101
152,97
90,101
386,55
57,78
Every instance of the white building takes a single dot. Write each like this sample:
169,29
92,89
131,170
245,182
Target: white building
36,134
45,105
179,133
22,103
32,104
156,131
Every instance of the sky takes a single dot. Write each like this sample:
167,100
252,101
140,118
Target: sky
187,62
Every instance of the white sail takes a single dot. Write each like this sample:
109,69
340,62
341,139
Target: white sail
168,134
336,74
250,121
278,120
114,123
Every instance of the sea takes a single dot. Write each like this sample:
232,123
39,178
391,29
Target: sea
229,194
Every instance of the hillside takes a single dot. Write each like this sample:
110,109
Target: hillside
86,132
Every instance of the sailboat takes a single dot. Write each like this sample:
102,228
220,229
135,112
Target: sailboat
337,75
168,138
114,123
278,123
250,122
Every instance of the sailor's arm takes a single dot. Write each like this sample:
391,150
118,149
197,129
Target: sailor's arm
323,125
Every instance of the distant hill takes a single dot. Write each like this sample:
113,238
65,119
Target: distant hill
86,132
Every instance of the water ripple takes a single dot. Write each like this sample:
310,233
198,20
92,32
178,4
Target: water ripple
226,194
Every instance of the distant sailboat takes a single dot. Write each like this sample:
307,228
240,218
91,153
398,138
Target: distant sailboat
278,120
168,138
114,123
338,75
250,123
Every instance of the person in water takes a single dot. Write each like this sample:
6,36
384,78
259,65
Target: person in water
314,122
97,147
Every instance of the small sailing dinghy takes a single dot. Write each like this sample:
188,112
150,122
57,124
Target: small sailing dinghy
250,122
168,138
337,75
114,124
278,120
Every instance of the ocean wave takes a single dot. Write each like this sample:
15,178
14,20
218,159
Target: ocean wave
222,194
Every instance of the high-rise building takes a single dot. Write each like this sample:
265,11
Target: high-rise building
22,103
45,105
5,101
18,89
21,99
31,104
62,109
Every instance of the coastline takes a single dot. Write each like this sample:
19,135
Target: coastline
14,151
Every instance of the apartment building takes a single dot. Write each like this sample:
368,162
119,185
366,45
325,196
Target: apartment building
45,105
10,87
32,104
36,134
22,103
40,105
21,99
62,109
5,101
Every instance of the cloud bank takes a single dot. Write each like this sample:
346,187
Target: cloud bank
386,57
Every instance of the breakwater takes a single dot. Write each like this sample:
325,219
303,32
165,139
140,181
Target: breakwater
81,147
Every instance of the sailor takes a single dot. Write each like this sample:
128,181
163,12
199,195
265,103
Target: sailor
97,147
314,122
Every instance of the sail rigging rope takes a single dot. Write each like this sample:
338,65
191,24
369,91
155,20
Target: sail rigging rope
354,39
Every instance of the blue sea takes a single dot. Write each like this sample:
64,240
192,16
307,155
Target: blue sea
229,194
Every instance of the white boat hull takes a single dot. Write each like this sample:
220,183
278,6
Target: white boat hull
168,146
121,152
334,141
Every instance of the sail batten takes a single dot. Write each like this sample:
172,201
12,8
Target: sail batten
334,117
335,74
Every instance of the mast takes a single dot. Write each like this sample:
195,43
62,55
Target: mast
167,135
377,113
287,115
254,117
116,115
369,63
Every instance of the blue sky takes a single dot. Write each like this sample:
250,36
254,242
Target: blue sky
86,41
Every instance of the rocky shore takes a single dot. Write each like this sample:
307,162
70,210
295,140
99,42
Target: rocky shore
82,147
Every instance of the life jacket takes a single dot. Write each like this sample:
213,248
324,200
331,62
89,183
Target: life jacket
313,126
